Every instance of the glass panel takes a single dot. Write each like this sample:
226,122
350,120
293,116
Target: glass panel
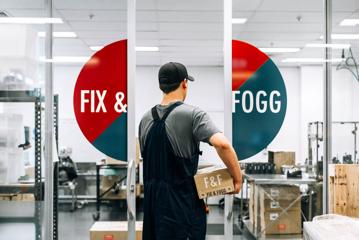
191,33
345,113
89,27
22,118
283,30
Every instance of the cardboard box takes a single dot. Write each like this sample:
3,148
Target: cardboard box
272,199
213,181
28,197
279,192
113,231
7,197
280,159
273,205
273,222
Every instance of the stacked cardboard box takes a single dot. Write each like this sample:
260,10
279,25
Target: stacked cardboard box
280,159
273,199
17,197
113,231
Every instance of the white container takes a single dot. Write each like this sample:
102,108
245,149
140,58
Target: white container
11,156
3,168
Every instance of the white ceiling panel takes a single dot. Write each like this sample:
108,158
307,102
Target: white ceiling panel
278,35
191,42
96,26
91,4
190,16
25,4
286,17
94,15
287,28
243,5
191,31
190,27
291,5
190,5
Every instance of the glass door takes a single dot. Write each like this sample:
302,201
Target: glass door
22,118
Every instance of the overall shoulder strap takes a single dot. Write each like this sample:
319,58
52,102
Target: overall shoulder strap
155,113
170,109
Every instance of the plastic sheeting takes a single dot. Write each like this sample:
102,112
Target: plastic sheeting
331,227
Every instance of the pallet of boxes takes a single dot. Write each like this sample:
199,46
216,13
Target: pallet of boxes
276,209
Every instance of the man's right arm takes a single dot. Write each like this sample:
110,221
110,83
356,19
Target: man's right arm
229,157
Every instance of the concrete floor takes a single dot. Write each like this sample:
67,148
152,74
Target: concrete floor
76,225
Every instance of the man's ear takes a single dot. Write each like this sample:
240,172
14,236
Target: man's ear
184,84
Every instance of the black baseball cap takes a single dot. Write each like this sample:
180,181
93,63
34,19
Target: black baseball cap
173,72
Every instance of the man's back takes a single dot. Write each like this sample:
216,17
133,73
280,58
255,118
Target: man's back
169,138
186,127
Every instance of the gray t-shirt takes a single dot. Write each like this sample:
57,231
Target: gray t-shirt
186,127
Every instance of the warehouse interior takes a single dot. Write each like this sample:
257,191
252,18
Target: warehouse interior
291,33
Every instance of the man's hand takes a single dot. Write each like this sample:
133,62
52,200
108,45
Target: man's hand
237,186
229,157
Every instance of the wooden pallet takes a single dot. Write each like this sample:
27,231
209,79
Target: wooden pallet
345,190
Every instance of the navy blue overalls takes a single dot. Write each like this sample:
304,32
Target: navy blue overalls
172,209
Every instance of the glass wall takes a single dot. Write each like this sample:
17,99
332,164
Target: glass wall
22,118
191,33
92,180
276,114
278,99
345,95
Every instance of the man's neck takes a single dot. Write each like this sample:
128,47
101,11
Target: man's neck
170,98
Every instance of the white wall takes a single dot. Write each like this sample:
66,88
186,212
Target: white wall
344,106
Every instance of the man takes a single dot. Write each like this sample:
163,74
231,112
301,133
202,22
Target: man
169,138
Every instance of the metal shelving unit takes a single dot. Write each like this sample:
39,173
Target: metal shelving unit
36,188
56,169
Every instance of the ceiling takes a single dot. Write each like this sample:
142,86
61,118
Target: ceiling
192,31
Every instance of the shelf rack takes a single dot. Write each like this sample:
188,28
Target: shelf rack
33,96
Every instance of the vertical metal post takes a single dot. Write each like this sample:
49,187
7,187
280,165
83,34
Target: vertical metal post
327,133
49,178
227,48
131,126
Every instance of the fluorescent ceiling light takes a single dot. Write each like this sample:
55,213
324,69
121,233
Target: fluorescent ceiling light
65,59
323,45
59,34
147,49
279,50
30,20
311,60
349,22
96,48
239,20
342,36
345,36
